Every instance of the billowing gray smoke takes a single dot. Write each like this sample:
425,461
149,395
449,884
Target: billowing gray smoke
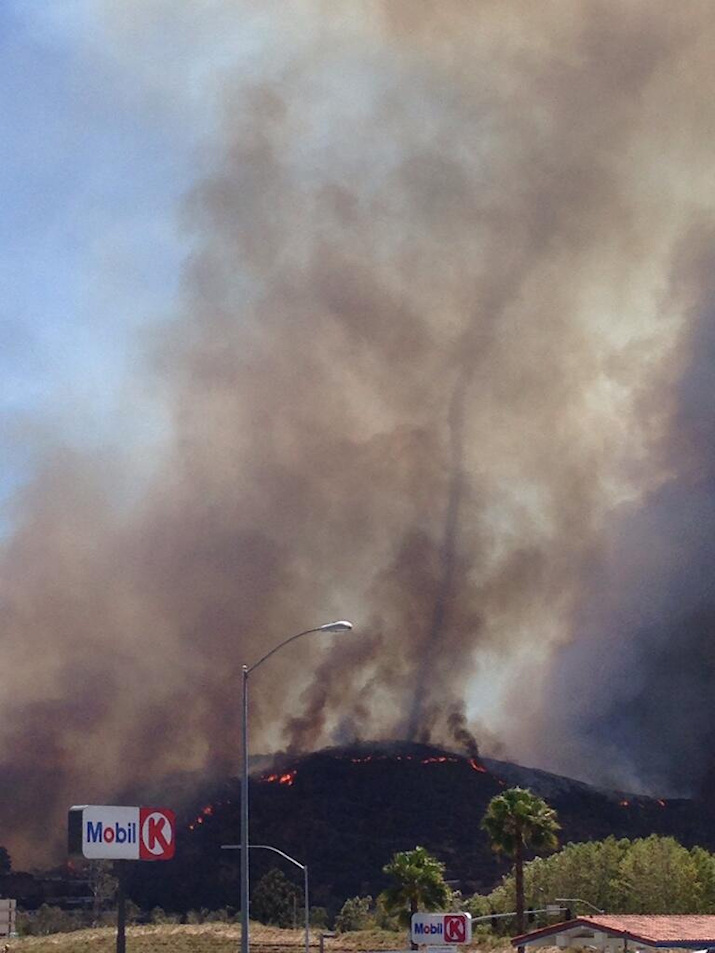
634,698
442,368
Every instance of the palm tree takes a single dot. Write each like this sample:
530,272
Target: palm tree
419,885
517,820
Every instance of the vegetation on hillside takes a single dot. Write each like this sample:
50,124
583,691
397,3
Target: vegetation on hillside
647,875
345,812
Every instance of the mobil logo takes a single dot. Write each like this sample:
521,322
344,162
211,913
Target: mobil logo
447,928
99,832
104,832
157,827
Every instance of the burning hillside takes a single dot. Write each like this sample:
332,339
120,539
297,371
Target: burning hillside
346,810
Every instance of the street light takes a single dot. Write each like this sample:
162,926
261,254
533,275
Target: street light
303,867
342,625
586,903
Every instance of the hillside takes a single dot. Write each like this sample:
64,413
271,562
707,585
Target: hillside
345,811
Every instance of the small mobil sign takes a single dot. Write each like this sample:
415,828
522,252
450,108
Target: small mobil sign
103,832
441,929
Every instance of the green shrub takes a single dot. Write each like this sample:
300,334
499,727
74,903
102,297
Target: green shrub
354,915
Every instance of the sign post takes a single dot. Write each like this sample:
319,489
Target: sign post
119,866
103,832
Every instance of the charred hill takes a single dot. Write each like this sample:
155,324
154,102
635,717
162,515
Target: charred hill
345,811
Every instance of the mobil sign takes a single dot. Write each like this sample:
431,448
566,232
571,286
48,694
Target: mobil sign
439,929
100,832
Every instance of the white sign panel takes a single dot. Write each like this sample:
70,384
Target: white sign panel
102,832
438,929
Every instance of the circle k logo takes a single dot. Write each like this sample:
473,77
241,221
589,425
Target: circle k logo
157,827
455,928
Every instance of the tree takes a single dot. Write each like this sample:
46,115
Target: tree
102,884
515,821
160,917
589,870
276,900
354,915
705,865
50,919
319,918
419,885
661,876
5,861
648,875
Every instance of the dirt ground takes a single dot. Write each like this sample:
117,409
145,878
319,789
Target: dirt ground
218,938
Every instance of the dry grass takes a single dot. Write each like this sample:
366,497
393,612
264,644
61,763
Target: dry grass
212,938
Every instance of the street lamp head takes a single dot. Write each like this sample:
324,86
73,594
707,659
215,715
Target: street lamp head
342,625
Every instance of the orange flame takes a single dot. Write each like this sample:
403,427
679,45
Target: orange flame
288,778
625,803
434,759
206,811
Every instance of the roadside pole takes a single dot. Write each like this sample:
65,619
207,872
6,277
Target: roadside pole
120,873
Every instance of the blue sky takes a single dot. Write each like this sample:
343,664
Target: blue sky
92,173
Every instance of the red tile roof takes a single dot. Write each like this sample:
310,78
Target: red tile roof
688,931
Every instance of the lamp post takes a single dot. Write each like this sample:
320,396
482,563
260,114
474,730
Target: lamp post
303,867
340,626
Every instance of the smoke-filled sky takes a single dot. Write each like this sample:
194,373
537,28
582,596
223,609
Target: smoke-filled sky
396,311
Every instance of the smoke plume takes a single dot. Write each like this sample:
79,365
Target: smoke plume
441,366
